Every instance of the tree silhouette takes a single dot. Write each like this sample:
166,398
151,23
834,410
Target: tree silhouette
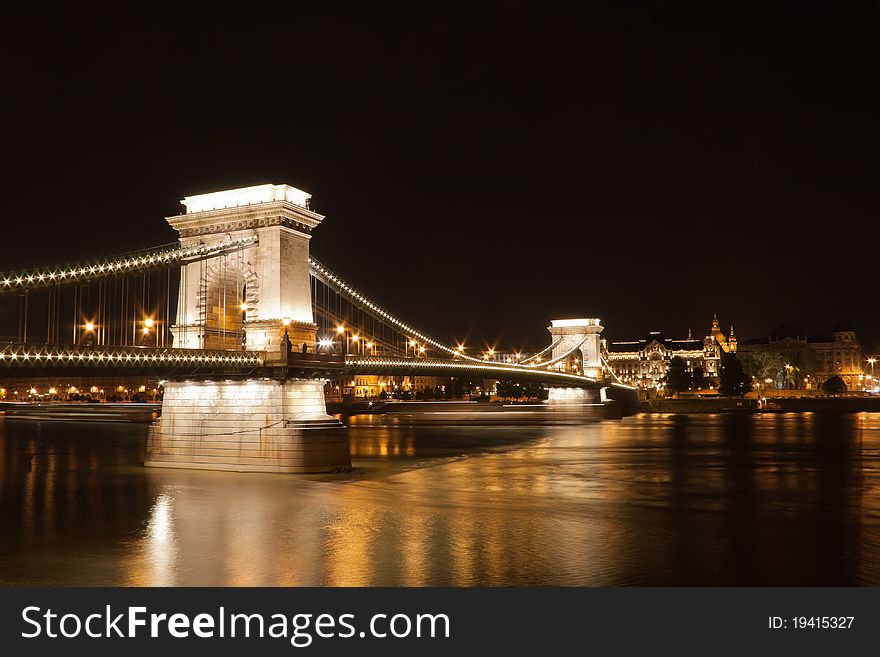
834,386
677,377
733,380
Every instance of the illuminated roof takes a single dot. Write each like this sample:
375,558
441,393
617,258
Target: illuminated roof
561,323
232,198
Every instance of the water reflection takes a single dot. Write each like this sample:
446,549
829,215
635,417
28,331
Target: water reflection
726,499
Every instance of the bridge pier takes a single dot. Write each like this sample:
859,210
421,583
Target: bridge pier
559,396
256,425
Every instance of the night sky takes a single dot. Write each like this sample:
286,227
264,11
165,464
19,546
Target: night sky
481,173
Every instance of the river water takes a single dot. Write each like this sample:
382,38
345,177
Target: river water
738,499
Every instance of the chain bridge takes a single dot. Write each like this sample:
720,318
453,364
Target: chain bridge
244,326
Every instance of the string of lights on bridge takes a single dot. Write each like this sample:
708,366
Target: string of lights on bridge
12,356
332,279
458,366
121,264
326,275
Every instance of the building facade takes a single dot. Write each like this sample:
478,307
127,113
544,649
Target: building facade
789,358
644,363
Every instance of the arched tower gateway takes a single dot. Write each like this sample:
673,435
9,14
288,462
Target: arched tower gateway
241,300
576,348
582,337
246,294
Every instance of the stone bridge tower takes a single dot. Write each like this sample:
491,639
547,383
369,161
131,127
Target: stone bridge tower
581,334
275,423
241,299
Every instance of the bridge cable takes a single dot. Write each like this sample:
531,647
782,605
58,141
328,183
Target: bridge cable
541,353
332,280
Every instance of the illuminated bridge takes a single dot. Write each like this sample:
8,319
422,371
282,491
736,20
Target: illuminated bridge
244,326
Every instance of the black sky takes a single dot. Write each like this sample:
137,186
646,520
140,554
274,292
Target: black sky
481,172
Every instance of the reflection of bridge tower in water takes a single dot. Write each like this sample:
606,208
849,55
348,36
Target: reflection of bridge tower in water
245,298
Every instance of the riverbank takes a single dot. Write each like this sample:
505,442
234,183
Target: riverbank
771,405
81,412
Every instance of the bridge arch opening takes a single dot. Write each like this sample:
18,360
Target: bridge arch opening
223,325
227,301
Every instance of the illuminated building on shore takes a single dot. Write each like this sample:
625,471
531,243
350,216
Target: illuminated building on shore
796,360
644,363
80,388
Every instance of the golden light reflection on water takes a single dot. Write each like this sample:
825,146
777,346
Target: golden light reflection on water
160,544
789,499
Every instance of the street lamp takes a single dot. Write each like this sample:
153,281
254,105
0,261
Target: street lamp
89,337
285,341
148,324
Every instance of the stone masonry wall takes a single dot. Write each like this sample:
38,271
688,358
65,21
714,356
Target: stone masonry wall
247,426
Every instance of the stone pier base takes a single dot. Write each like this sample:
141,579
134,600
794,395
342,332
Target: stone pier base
568,396
247,426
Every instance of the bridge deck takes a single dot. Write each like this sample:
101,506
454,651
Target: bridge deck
454,367
31,359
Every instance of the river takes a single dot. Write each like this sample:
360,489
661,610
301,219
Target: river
734,499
